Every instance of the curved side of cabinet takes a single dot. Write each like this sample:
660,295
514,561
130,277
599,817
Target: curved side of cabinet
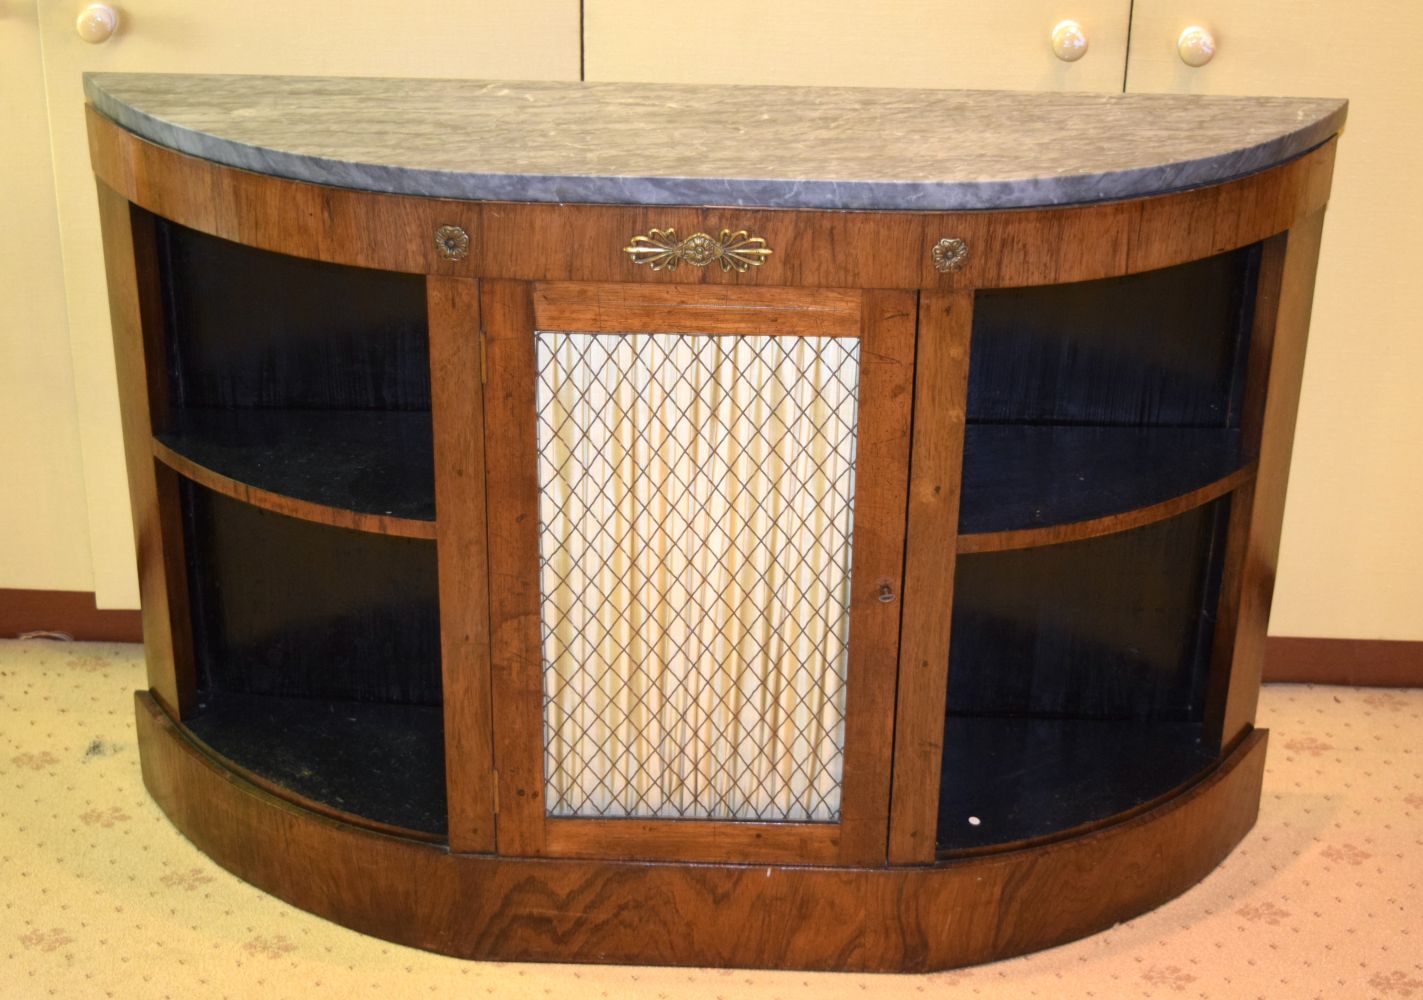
869,919
814,249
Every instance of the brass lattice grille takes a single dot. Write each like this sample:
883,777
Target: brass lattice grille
696,497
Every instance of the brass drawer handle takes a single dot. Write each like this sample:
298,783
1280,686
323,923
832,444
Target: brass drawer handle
661,249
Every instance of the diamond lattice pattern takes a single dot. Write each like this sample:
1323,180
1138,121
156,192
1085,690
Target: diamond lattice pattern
696,498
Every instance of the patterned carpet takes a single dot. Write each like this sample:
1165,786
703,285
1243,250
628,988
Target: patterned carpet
100,897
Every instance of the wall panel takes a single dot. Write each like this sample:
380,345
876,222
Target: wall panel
1351,548
44,541
527,39
977,44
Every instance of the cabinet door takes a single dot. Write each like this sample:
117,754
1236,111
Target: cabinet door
507,38
975,44
1363,356
696,528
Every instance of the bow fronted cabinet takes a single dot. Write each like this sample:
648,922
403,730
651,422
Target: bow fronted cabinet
735,526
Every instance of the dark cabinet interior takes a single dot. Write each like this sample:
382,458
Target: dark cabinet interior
299,377
316,648
1078,669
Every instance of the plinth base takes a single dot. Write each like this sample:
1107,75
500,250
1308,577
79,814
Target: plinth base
914,919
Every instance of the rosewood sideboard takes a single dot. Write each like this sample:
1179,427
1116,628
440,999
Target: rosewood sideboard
737,526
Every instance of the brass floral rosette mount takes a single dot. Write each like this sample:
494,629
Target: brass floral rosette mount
949,254
452,242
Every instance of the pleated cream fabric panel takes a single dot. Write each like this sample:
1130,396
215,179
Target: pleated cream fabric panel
696,511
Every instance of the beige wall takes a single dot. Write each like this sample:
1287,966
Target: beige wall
493,38
1352,547
44,539
1351,562
987,44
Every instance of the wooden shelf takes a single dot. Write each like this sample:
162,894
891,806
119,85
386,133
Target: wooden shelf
1026,485
1027,778
382,765
366,470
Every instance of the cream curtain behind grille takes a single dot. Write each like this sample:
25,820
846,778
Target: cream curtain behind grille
696,500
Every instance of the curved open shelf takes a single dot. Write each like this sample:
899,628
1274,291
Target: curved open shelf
1039,485
364,470
1009,780
374,764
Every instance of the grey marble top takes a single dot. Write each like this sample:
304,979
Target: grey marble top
662,144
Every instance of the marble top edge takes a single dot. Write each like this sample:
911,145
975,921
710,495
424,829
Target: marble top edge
751,146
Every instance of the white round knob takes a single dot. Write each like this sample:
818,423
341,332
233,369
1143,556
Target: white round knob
1196,46
1069,41
96,23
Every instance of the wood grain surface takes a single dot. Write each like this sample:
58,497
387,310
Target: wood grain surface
881,493
515,642
135,308
457,398
940,401
911,919
608,307
1260,545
